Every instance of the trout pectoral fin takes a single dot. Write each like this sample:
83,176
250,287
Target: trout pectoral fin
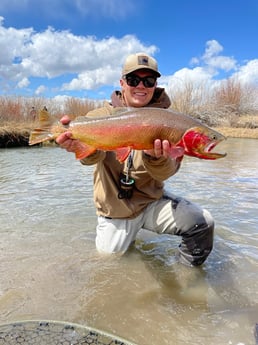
122,153
176,151
83,151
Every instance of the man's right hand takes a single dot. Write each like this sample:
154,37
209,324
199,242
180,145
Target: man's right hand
66,141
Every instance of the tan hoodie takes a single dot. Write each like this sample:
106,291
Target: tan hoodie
148,173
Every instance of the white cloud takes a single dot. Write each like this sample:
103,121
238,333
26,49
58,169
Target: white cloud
212,58
23,83
40,90
211,65
94,79
88,63
51,53
248,73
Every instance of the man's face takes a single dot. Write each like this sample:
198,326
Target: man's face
140,95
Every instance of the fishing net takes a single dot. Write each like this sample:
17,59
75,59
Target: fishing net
54,333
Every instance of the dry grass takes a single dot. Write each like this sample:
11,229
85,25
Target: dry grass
19,116
230,132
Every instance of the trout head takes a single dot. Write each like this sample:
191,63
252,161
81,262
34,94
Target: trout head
199,142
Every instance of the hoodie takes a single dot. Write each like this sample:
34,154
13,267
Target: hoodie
148,173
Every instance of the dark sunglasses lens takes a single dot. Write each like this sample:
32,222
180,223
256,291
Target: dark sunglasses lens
149,81
134,80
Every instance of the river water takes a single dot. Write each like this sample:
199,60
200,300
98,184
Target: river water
49,267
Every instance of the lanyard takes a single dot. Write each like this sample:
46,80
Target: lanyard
129,165
126,183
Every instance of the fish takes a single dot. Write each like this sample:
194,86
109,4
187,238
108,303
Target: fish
129,129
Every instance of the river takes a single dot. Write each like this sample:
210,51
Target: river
50,270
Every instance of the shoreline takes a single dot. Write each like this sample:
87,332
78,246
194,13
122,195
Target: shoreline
14,139
238,132
19,137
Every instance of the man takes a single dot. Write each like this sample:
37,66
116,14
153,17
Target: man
130,196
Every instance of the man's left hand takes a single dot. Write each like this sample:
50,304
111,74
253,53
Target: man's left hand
161,148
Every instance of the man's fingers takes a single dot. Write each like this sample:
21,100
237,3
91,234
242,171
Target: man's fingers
62,138
65,120
158,148
165,148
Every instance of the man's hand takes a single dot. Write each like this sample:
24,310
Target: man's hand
65,139
161,148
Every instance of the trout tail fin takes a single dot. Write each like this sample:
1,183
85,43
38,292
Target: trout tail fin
39,135
43,132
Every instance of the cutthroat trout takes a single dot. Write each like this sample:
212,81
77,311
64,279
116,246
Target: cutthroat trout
136,128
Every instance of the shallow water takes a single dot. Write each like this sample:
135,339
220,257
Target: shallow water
49,267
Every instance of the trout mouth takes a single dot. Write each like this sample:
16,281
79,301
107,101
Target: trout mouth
207,150
200,143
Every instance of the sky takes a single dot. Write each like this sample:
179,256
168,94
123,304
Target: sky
60,48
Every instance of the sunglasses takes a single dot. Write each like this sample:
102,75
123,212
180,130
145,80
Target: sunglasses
134,80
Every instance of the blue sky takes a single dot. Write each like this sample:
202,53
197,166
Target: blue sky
53,48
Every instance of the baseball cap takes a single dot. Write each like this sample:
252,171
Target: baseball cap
140,61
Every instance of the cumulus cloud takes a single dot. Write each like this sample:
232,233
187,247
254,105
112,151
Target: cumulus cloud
23,83
213,59
78,62
40,90
94,79
211,65
50,53
248,73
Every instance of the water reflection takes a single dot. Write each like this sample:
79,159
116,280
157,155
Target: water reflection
50,269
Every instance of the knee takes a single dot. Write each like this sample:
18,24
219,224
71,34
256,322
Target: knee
193,219
109,246
110,240
197,242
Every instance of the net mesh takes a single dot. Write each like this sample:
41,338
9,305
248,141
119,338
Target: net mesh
54,333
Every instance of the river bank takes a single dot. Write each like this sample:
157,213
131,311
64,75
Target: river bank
15,135
231,132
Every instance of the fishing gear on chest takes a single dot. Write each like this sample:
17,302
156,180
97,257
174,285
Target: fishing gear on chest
126,182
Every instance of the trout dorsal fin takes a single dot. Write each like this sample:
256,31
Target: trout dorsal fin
123,110
119,110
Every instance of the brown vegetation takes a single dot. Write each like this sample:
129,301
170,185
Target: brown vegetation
19,116
230,107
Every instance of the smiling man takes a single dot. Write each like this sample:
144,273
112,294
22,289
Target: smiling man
129,196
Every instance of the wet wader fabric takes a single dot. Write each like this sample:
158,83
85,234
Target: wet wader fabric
169,215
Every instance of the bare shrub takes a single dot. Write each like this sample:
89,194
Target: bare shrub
188,97
223,105
10,109
22,109
79,107
195,99
229,95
